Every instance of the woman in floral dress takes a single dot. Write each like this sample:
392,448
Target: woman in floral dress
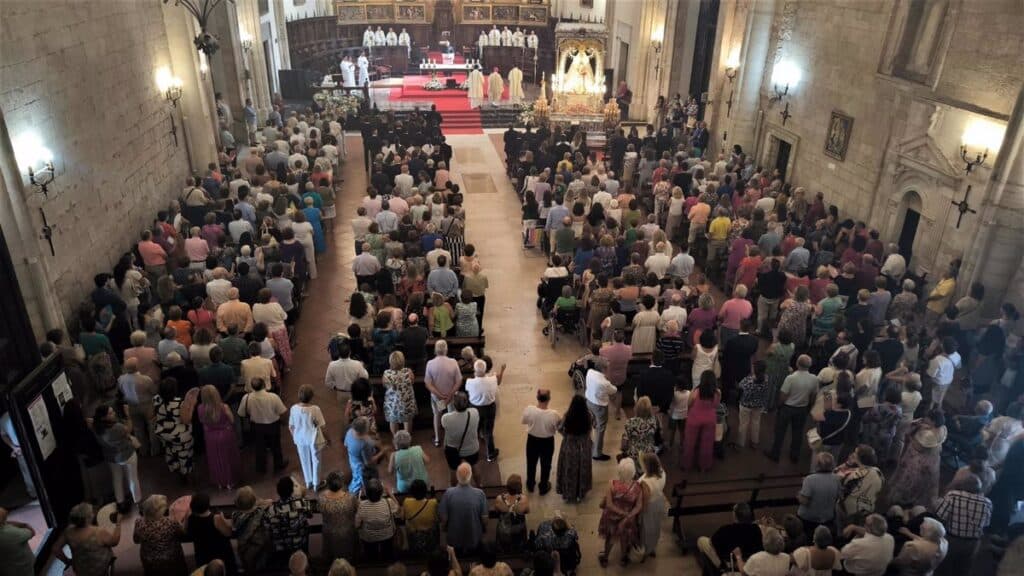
338,507
159,538
794,315
916,480
574,475
640,431
466,325
399,396
173,426
620,512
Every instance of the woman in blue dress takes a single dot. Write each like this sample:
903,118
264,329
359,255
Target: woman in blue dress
312,214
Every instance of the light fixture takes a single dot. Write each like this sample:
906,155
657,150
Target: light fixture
732,66
245,39
978,138
785,75
656,44
37,159
204,41
169,84
204,67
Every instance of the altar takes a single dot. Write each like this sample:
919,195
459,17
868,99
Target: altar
578,82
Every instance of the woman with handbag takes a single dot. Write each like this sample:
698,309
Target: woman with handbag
833,425
421,520
306,423
461,434
377,522
512,507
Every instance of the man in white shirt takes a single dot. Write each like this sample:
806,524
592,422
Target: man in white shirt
658,262
682,264
342,372
602,196
360,227
482,390
541,424
365,266
674,311
219,288
870,554
372,203
404,182
436,252
941,369
599,391
895,265
264,409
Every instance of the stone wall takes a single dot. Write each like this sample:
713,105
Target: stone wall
82,77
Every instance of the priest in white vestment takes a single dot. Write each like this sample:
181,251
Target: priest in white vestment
494,36
518,38
392,38
476,87
348,72
368,36
363,63
495,86
506,36
404,40
515,85
532,41
379,37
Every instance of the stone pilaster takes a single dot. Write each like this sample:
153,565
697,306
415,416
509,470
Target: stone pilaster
755,41
994,258
228,65
257,86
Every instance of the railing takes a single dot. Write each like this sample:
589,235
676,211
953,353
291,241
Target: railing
759,483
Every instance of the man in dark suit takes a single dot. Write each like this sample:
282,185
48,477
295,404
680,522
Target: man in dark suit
738,357
699,139
617,149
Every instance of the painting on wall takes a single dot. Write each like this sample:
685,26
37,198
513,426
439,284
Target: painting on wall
351,14
476,13
837,139
380,13
533,15
505,14
412,13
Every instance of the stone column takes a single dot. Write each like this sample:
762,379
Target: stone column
994,258
227,66
282,35
645,84
255,65
746,88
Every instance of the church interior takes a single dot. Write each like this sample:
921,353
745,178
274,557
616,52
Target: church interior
418,249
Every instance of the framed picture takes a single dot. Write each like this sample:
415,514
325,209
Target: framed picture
533,15
412,13
476,13
351,14
380,13
505,14
837,137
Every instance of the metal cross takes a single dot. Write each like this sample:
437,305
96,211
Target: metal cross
963,207
47,232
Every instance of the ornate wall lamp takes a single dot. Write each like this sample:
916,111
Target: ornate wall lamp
657,44
732,68
201,10
245,39
785,75
978,138
37,159
169,85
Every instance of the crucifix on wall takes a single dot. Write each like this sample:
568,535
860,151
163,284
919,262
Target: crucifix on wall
963,207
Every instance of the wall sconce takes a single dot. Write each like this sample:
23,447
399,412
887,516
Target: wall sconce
204,67
245,39
169,85
786,75
978,138
37,159
656,44
732,66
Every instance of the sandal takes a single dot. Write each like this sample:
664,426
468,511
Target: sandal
602,559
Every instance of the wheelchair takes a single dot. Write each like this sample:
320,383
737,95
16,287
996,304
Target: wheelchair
548,291
566,322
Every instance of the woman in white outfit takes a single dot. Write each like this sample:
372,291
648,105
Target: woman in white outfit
656,507
304,234
306,423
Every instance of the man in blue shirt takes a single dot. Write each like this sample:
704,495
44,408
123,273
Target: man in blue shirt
442,280
463,512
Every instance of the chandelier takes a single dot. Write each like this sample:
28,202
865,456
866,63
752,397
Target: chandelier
201,10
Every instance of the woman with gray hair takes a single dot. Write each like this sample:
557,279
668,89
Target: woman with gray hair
921,555
91,547
819,559
408,463
620,514
307,424
818,494
159,538
772,561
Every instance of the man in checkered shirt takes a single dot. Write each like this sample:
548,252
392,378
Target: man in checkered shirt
965,512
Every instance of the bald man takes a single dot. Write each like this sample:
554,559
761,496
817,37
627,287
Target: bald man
234,313
138,390
463,511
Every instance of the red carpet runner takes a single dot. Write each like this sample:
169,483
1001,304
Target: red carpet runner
453,104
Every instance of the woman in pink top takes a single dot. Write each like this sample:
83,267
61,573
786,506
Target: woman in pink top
734,311
442,176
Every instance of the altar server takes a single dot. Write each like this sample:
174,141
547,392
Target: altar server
495,86
515,85
368,36
380,38
392,38
363,63
348,72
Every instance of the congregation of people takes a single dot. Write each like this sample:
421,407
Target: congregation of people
714,293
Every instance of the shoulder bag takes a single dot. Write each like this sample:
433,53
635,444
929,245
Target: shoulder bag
451,454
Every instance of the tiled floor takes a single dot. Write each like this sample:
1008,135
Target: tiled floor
513,329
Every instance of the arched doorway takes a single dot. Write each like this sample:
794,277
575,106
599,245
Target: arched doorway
910,214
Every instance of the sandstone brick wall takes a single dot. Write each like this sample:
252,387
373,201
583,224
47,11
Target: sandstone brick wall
82,75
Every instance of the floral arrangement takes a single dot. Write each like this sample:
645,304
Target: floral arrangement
433,84
342,104
526,116
611,113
